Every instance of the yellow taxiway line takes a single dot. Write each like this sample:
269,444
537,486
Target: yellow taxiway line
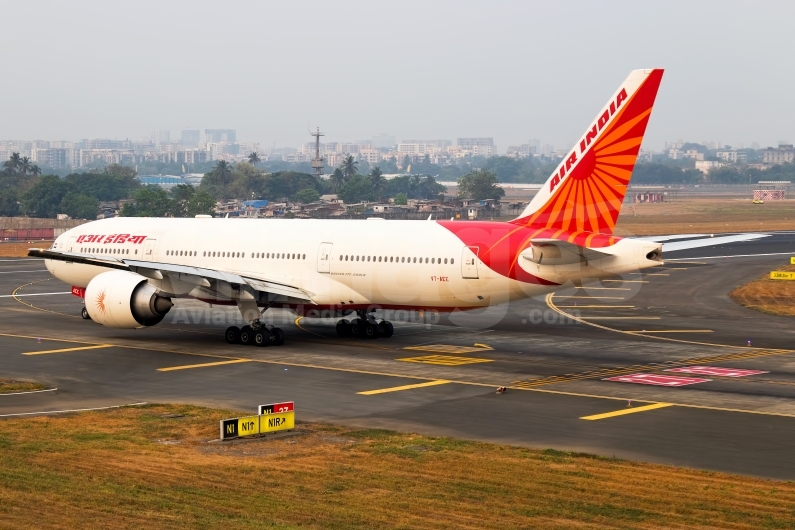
203,365
404,387
590,297
628,410
96,347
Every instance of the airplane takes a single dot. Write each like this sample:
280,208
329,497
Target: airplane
129,270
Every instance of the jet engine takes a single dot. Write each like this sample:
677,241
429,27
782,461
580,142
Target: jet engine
122,299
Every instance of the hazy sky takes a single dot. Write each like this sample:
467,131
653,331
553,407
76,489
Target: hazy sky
427,69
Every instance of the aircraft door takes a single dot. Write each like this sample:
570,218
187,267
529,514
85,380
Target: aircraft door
324,258
149,249
71,246
469,263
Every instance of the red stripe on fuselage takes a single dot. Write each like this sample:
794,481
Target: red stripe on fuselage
500,244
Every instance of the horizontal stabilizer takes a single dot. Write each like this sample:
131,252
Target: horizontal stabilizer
560,252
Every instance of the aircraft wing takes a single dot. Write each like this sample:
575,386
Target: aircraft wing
182,273
562,252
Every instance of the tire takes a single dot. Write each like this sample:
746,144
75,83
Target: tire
232,335
387,329
262,338
370,330
279,336
343,327
247,336
356,327
84,314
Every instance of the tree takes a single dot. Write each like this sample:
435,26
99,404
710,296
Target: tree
12,164
254,159
44,198
24,165
79,206
9,203
376,179
35,170
357,189
337,180
149,201
306,195
348,166
224,171
201,203
181,195
401,199
480,184
404,165
119,184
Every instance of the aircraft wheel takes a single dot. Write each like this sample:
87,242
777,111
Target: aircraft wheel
232,335
386,328
278,334
356,326
247,336
371,330
343,327
262,338
84,314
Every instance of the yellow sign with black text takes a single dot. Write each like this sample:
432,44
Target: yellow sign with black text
250,425
792,260
283,421
782,275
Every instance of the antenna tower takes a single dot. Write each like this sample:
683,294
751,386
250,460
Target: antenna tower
317,162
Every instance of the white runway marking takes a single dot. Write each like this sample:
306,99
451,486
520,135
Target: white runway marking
30,392
33,294
734,256
22,272
72,410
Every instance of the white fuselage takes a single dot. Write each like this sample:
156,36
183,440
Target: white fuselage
344,264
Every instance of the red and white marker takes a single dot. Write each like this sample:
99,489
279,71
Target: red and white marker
715,370
659,380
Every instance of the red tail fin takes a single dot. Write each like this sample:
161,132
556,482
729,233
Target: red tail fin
586,191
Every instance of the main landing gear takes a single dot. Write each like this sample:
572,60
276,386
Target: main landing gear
261,336
365,326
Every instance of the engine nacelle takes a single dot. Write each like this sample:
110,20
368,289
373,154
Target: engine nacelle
122,299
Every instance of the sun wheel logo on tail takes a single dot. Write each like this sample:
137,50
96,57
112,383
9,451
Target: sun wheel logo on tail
586,191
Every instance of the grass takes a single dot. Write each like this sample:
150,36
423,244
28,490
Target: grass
20,250
705,216
8,386
774,297
138,467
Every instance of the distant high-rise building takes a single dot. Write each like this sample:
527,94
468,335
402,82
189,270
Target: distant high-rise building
191,138
217,136
383,141
161,137
472,142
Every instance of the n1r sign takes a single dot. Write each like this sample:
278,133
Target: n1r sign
283,421
276,408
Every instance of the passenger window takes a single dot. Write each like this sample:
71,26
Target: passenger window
304,256
452,261
445,261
